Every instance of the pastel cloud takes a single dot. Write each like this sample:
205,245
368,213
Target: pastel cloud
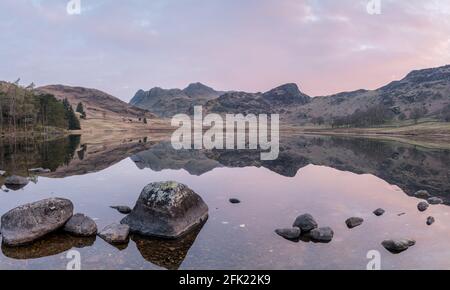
325,46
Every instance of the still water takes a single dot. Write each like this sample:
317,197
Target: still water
329,177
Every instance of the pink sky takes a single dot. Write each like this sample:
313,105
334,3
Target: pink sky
325,46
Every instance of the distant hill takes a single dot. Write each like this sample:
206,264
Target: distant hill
167,103
97,104
422,93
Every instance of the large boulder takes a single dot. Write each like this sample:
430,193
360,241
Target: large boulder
81,225
166,210
29,222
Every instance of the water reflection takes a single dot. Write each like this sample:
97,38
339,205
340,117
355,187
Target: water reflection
50,245
168,254
410,167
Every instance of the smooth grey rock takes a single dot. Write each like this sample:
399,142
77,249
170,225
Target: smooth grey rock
354,222
290,234
81,225
115,234
430,220
305,222
398,246
423,206
422,194
379,212
29,222
234,200
16,182
122,209
322,235
435,200
166,210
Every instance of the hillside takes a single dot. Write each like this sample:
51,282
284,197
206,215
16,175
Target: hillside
424,92
97,104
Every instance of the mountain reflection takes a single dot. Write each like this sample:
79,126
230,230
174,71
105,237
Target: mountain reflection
408,166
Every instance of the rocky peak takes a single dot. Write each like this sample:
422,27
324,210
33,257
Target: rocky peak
287,94
195,90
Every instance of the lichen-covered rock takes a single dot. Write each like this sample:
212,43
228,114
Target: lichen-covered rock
305,222
29,222
81,225
115,234
166,210
398,246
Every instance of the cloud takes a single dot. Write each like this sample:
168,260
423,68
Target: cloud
325,46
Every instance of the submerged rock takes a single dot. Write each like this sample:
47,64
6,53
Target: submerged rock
430,220
234,201
422,194
322,235
81,225
39,170
379,212
166,210
15,182
115,234
122,209
354,222
289,234
435,200
29,222
398,246
305,222
423,206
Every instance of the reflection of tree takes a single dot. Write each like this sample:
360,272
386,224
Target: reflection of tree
17,155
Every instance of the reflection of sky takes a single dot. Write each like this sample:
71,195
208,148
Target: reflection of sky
121,46
242,236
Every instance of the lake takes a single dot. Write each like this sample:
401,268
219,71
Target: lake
332,178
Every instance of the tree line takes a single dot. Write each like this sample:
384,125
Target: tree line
22,109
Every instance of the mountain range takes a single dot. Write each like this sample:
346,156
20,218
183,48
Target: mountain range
426,91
